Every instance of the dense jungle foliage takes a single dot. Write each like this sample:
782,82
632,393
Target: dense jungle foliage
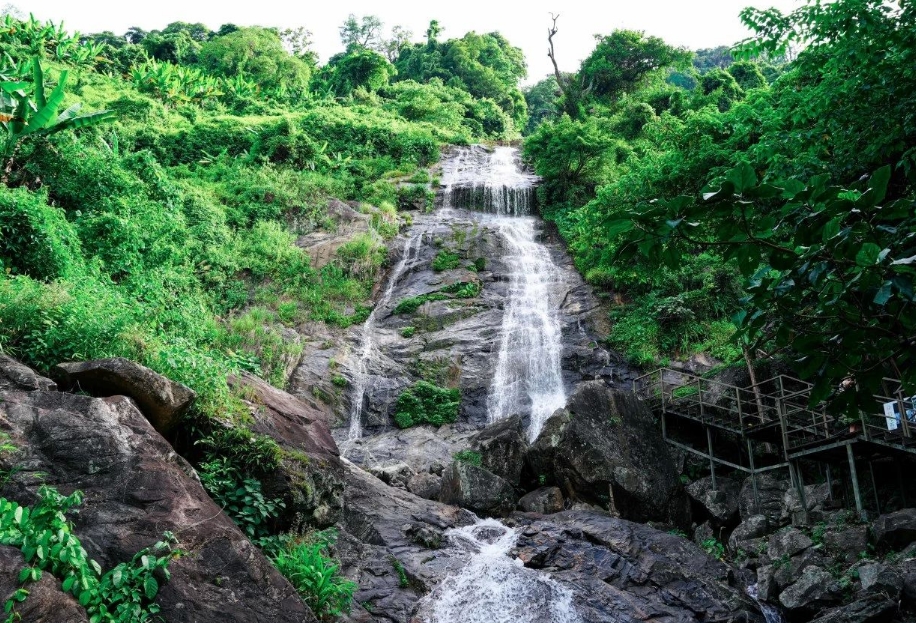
767,189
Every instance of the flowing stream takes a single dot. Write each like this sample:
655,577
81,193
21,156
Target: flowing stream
493,587
528,377
368,350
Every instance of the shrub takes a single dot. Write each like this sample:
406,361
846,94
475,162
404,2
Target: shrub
426,403
446,260
315,575
469,456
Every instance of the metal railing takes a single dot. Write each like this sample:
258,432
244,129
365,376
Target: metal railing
781,402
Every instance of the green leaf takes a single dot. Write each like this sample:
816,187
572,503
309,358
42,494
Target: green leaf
68,583
878,184
743,177
45,113
884,294
868,254
117,577
832,228
150,587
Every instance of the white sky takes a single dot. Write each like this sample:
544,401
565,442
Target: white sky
691,23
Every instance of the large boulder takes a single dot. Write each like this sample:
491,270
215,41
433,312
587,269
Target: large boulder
719,503
748,535
627,572
788,543
813,591
310,478
502,448
543,501
878,577
606,449
771,491
160,399
895,530
477,490
14,375
846,544
46,602
136,487
871,609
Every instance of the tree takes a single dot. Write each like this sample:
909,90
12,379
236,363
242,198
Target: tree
358,68
258,55
400,39
542,100
829,270
365,33
624,60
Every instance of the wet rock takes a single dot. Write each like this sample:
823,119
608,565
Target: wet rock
771,490
423,448
425,485
630,572
895,530
161,400
46,602
747,534
14,375
543,501
605,448
719,504
310,478
907,570
395,475
846,544
703,533
767,586
788,571
477,490
383,526
816,499
136,488
812,592
872,609
502,448
787,543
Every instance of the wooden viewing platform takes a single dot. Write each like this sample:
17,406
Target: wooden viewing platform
777,412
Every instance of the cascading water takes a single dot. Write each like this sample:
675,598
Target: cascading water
493,587
528,376
368,345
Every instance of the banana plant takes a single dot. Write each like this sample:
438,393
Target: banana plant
27,110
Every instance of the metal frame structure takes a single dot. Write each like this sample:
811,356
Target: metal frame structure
778,411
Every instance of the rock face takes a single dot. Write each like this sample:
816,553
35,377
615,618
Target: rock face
719,504
136,488
310,478
46,602
477,489
161,400
812,592
322,246
502,448
605,449
771,490
629,572
543,501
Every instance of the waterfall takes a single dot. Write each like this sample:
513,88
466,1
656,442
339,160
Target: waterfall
368,348
528,377
493,587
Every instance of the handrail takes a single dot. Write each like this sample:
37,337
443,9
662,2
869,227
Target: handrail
780,398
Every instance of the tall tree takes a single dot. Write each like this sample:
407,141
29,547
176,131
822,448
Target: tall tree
365,32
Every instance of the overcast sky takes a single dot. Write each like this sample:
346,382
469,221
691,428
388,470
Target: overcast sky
692,23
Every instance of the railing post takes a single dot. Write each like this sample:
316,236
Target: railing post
901,405
750,458
740,412
854,476
700,398
712,461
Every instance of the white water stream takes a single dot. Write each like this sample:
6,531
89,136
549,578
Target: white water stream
368,345
528,377
494,587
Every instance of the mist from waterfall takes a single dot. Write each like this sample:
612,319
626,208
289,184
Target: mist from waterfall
528,377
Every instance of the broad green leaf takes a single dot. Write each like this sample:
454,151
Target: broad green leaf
742,177
868,254
42,118
150,587
832,228
884,294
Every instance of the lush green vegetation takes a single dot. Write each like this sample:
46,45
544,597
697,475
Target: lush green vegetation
307,564
471,457
746,192
44,535
152,189
427,403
